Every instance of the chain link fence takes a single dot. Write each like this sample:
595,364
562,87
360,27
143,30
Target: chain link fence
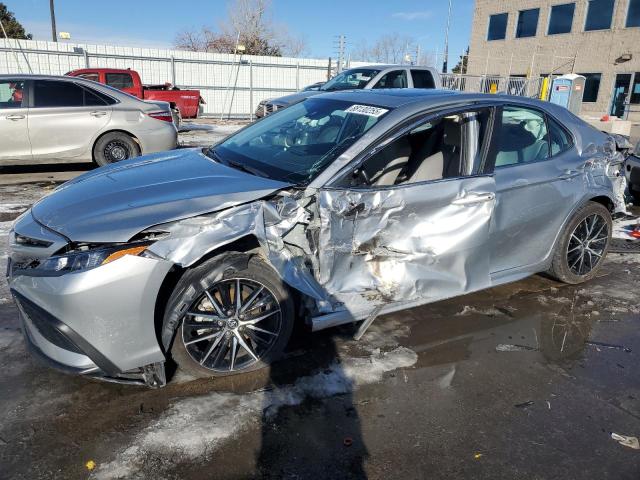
519,86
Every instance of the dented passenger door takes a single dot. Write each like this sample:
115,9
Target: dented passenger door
419,234
414,243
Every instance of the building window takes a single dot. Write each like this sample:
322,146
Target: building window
561,18
527,23
599,15
635,91
633,14
498,26
591,86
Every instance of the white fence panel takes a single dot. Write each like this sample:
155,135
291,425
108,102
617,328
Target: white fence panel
230,85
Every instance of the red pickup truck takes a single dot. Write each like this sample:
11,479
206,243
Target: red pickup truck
186,103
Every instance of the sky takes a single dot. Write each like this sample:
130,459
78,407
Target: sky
155,23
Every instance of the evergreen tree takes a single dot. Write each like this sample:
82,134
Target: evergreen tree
12,26
461,67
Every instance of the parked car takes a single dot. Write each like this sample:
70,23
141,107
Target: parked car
340,208
184,103
361,78
49,119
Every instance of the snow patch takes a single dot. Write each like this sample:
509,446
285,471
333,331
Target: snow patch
490,312
194,427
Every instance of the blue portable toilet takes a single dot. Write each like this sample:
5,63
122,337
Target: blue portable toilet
567,91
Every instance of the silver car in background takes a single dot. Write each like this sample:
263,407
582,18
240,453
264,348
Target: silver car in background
359,78
50,119
337,209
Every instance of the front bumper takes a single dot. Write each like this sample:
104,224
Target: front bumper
99,322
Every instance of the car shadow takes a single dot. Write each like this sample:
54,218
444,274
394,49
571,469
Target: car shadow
310,424
47,168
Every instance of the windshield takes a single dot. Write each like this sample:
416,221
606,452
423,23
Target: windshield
297,143
350,79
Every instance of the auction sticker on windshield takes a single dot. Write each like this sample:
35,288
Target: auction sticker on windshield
366,110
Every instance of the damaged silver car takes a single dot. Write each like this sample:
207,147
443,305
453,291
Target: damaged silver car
338,209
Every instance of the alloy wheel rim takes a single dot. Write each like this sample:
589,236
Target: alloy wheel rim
587,244
116,151
232,325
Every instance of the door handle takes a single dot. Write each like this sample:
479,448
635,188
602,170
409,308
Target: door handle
15,117
98,114
473,197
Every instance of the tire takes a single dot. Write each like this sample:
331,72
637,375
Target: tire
212,357
114,147
635,194
588,222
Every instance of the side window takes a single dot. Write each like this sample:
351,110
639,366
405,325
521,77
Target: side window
558,137
11,93
521,137
119,80
51,93
90,76
422,79
93,98
393,79
440,148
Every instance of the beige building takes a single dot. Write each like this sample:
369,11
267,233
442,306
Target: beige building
599,39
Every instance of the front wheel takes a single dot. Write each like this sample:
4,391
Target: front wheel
232,323
583,244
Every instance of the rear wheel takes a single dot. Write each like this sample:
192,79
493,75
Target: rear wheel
115,147
231,325
583,245
635,194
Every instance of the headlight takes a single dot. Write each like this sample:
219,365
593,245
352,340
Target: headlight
88,259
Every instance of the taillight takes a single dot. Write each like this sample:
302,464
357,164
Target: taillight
166,116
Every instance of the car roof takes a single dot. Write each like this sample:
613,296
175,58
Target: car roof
390,97
105,70
35,76
426,97
388,66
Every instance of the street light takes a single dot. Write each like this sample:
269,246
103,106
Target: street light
445,62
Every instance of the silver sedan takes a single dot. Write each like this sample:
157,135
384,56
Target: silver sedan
47,119
337,209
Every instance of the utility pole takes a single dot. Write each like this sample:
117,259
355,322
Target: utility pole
341,48
445,62
54,34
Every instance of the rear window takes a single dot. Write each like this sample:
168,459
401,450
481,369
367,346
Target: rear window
422,79
119,80
51,93
90,76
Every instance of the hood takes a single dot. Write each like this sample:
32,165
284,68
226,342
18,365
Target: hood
114,203
294,98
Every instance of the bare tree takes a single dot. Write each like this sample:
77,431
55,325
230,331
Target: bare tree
190,40
248,23
391,48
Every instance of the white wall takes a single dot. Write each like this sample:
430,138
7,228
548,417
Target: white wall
212,73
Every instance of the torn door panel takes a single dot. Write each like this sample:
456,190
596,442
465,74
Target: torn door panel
405,244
